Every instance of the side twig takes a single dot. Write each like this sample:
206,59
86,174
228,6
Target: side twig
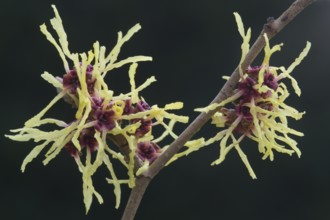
271,28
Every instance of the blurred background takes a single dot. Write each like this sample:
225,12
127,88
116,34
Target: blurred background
193,43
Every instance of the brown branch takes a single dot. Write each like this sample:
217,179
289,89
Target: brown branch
271,28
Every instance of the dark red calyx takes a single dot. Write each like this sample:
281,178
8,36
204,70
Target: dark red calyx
148,151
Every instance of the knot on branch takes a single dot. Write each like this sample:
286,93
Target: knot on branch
270,27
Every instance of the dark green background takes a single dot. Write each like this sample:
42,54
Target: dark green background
193,44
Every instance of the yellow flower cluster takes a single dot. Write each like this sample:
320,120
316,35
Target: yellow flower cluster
100,114
256,110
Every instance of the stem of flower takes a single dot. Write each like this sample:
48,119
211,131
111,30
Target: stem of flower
271,28
135,197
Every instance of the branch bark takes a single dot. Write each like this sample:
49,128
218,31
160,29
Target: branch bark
271,28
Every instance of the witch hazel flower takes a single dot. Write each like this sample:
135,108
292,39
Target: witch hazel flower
256,110
106,126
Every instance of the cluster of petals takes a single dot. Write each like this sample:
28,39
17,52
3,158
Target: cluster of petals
256,109
101,115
